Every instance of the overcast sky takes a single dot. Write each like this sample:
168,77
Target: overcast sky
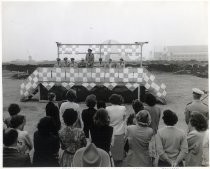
32,28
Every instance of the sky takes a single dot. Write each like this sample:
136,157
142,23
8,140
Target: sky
32,28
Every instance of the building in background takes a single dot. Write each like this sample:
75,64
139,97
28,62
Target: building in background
199,53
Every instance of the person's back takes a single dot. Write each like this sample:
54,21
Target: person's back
11,156
155,113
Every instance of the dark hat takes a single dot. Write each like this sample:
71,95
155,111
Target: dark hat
90,156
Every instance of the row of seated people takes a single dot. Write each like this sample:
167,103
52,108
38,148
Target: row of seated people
83,63
105,136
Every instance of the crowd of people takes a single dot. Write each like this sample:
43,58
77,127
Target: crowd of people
107,136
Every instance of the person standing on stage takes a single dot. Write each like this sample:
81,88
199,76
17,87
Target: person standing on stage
196,105
89,58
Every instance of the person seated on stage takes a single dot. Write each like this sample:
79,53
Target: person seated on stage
121,64
89,58
66,63
11,155
58,64
82,63
73,63
109,64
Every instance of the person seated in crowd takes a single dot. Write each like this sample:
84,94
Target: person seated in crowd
71,138
171,142
117,114
197,127
101,104
87,114
70,103
58,64
137,106
91,156
46,144
53,111
66,63
139,136
82,63
154,110
196,105
24,141
13,110
11,155
101,132
89,58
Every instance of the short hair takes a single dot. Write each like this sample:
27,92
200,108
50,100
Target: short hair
90,101
101,104
116,99
169,117
70,116
17,120
46,125
137,106
9,136
198,121
101,118
13,109
150,99
71,95
196,96
51,96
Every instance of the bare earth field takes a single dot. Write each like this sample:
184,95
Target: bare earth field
179,89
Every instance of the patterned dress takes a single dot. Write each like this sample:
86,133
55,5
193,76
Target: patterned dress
71,140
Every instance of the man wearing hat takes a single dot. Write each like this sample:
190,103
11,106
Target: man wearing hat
196,105
91,156
89,58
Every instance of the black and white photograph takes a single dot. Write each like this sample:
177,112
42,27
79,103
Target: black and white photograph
105,84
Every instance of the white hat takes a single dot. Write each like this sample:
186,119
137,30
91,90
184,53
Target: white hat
90,156
197,91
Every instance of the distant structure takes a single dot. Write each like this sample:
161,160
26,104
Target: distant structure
199,53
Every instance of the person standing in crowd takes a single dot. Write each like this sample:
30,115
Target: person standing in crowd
71,138
89,58
197,127
11,155
101,133
24,141
139,136
117,114
172,144
154,110
101,104
53,111
46,144
137,106
87,114
70,103
196,105
13,110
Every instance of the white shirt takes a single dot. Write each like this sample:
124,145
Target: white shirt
117,116
23,142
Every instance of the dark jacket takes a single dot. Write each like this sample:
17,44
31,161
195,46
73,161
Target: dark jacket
53,111
13,158
46,149
87,118
102,136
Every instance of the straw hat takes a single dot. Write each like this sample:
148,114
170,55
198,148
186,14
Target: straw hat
90,156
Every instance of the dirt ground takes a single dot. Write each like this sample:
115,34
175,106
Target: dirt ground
179,93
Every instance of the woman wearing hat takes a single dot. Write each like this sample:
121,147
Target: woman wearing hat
171,142
197,127
117,114
139,136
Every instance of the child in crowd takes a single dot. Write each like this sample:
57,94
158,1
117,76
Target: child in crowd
24,142
13,110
